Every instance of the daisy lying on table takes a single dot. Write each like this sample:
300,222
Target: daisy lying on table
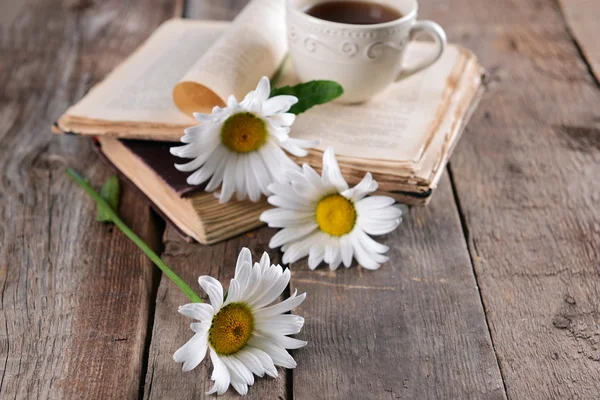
239,148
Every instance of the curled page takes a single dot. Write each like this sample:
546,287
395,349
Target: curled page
254,46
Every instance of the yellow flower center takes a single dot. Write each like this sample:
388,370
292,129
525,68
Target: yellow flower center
244,132
231,328
336,215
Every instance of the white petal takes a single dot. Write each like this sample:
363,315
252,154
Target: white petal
252,102
283,324
201,327
203,117
292,149
281,218
265,360
254,283
213,288
228,179
335,258
238,370
294,251
331,249
217,178
265,261
287,342
192,353
369,243
240,387
303,144
251,361
273,292
261,173
278,104
287,235
364,258
245,257
233,294
276,161
263,89
377,227
202,134
366,186
205,172
284,160
211,163
346,250
298,147
312,177
197,311
231,101
374,202
251,185
269,275
384,214
240,177
315,256
284,201
331,171
287,305
277,353
282,120
200,149
220,375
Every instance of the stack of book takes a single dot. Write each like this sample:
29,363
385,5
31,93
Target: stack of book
404,136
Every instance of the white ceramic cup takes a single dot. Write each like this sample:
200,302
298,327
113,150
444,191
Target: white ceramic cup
364,59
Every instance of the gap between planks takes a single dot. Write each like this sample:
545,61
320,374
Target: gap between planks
581,20
466,235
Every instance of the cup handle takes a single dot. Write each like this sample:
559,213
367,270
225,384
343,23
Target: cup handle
438,34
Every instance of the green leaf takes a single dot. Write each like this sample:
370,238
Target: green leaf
109,192
310,94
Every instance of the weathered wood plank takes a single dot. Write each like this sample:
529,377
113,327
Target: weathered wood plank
75,293
526,177
481,375
171,329
582,18
164,378
414,329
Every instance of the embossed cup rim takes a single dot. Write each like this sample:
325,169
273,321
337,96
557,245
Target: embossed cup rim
411,15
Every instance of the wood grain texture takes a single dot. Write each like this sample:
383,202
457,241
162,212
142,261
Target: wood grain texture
582,18
75,293
414,329
164,379
526,174
430,365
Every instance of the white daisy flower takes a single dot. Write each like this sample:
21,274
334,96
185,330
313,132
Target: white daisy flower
327,221
241,145
244,336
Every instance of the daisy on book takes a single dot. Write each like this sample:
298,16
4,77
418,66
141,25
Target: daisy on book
324,219
243,334
241,146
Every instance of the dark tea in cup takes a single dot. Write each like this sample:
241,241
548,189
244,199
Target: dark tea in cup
353,12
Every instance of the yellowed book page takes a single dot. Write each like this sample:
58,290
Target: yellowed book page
253,46
140,89
396,125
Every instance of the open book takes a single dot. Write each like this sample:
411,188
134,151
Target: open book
404,136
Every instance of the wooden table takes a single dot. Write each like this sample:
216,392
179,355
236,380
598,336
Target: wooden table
492,291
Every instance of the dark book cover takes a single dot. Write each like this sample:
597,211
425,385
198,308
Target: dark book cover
157,156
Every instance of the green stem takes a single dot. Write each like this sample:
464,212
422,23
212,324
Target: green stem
134,238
